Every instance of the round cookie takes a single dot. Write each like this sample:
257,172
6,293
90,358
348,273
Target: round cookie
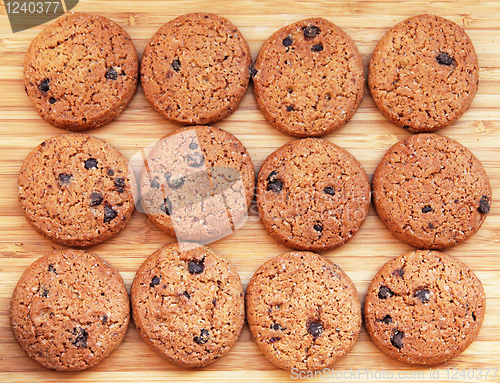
303,311
424,307
424,73
76,190
81,71
308,78
312,195
69,310
431,192
196,69
197,184
188,304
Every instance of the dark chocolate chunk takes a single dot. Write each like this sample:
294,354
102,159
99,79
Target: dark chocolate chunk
424,295
315,329
474,316
329,190
195,160
111,74
274,339
387,319
203,338
186,294
44,85
287,42
64,179
311,31
52,100
80,339
154,282
52,268
276,327
176,64
274,184
430,225
104,319
119,184
193,146
111,172
444,58
399,273
253,71
317,48
91,163
174,183
405,127
427,209
385,292
196,267
166,206
397,339
109,213
44,293
289,108
484,205
95,199
154,183
318,227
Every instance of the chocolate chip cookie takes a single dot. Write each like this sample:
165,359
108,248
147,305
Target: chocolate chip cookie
81,72
303,311
424,73
431,192
424,307
188,305
196,69
312,195
69,310
197,184
308,78
76,190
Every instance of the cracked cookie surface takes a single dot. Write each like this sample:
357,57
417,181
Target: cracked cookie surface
303,311
431,192
312,195
424,73
424,307
76,190
196,69
69,310
188,304
81,72
308,78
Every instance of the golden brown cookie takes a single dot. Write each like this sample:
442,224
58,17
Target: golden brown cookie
312,195
424,73
308,78
303,311
188,304
69,310
196,69
76,190
431,192
197,184
424,307
81,71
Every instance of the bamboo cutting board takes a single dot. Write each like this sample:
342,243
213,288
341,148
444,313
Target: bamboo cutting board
367,136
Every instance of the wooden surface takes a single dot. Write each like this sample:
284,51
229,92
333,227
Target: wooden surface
367,137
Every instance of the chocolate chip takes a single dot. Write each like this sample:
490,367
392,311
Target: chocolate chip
109,213
274,339
203,338
311,31
104,319
474,316
193,146
44,85
154,183
195,160
253,71
317,48
274,184
424,295
387,319
289,108
398,273
385,292
52,268
397,339
91,163
80,337
196,267
176,64
119,184
318,227
329,190
154,282
95,199
430,225
276,327
186,294
64,179
444,58
287,42
52,100
44,293
174,183
405,127
484,205
427,209
315,329
166,206
110,172
111,74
